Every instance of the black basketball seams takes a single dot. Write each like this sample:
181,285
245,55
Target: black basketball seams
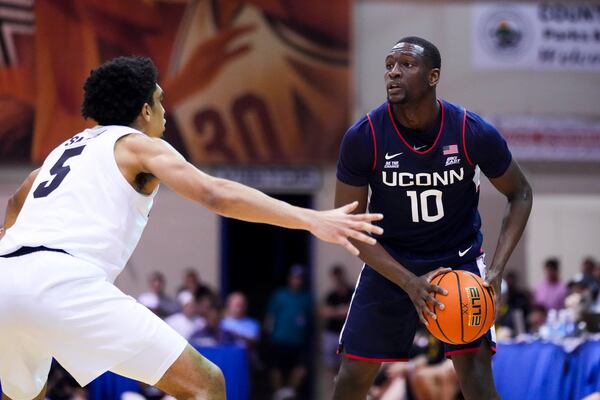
437,320
486,307
462,327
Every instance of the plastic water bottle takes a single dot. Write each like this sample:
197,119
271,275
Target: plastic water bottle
562,327
550,328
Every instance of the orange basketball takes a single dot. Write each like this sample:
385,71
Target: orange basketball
469,308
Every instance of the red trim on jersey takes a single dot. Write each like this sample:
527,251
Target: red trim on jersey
404,140
471,350
374,143
353,357
464,139
460,351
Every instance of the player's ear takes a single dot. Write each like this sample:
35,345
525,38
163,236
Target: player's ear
434,77
146,112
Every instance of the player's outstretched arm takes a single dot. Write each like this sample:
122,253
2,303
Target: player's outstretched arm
232,199
519,195
419,288
15,203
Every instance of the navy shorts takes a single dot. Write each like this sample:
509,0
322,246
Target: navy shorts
382,320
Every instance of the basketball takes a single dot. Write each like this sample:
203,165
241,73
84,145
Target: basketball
469,308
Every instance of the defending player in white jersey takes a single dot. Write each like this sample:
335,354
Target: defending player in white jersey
73,224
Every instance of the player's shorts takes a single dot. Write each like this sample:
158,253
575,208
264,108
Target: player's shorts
382,320
56,305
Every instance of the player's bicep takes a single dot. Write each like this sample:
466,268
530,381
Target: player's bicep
512,182
486,147
345,194
159,158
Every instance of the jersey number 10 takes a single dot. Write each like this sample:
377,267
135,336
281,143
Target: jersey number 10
422,200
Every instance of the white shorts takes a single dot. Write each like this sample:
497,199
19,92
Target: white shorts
55,305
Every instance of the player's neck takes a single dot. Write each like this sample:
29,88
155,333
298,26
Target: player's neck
419,116
137,126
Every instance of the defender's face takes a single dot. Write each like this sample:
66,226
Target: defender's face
156,126
406,73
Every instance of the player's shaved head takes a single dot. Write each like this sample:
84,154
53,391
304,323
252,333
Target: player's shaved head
423,48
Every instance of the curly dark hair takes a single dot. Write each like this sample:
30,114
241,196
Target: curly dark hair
116,91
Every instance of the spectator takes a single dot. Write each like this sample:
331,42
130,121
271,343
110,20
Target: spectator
588,266
193,284
551,293
515,305
156,299
245,329
517,298
212,334
579,298
596,276
288,321
187,320
334,311
62,386
536,318
206,302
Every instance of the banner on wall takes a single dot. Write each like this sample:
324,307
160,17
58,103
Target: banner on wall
245,81
542,35
539,138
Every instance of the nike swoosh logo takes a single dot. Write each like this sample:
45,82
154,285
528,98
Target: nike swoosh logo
462,253
419,148
390,156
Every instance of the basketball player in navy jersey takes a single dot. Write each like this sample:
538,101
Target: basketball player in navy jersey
421,157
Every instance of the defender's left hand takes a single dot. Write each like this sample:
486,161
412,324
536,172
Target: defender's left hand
340,225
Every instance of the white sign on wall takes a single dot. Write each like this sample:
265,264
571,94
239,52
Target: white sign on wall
550,138
540,35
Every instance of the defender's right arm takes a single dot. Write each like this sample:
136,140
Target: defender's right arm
231,199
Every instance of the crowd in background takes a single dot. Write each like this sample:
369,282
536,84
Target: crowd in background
556,307
282,349
278,347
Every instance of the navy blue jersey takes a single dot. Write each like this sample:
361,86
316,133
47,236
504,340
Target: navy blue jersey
428,194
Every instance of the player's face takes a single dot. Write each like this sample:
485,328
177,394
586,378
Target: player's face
157,121
407,75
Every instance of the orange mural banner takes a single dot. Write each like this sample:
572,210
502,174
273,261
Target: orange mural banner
254,81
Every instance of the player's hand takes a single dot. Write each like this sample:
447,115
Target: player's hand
2,232
420,290
339,225
493,280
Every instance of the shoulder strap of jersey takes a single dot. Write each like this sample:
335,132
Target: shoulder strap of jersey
464,138
374,143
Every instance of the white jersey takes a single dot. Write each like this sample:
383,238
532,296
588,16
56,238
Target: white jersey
81,203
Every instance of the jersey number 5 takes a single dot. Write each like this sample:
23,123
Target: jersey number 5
59,172
426,216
